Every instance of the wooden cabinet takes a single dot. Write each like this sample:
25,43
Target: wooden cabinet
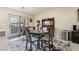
75,36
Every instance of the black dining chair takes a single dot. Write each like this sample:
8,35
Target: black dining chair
47,41
29,40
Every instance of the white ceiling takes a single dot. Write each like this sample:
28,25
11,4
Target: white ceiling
32,10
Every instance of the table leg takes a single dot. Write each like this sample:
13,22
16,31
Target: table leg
38,45
49,41
26,43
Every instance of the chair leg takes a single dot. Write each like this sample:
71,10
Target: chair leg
49,46
26,44
49,42
38,44
52,46
30,46
42,44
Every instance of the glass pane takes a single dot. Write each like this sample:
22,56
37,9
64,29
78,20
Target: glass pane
14,28
13,19
14,24
47,22
22,21
22,25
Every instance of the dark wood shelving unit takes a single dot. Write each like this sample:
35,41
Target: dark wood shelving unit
51,23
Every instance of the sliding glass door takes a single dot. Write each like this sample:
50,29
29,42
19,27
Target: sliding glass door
17,24
14,25
23,23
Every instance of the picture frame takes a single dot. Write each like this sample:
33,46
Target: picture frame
31,20
78,14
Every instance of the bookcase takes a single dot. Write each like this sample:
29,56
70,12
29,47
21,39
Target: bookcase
49,22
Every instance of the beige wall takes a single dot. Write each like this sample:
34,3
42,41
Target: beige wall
4,21
65,18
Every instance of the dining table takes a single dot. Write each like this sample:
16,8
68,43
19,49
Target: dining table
38,35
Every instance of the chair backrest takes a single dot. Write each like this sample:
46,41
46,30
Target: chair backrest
28,35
